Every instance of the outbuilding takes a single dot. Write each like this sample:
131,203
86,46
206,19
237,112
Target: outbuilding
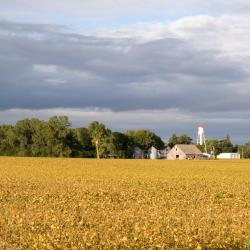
138,153
184,152
228,156
153,153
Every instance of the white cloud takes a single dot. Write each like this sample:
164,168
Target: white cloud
98,11
49,69
191,24
227,34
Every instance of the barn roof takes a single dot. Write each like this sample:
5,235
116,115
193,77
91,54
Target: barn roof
189,149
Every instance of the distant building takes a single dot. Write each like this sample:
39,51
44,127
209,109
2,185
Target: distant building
184,152
153,153
228,156
162,153
138,153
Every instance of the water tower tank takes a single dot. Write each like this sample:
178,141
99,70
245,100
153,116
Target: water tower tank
201,136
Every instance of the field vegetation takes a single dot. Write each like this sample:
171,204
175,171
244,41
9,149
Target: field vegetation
58,203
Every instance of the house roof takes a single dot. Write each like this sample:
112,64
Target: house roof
189,149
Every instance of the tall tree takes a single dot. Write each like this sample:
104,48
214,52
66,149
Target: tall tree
119,145
245,150
173,140
181,139
81,143
84,137
8,141
39,138
23,131
58,131
99,134
145,139
216,146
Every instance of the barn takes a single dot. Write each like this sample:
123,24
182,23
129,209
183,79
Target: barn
184,152
228,156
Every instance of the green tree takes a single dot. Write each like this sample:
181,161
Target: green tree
145,139
58,132
23,132
216,146
8,141
84,137
119,145
39,145
181,139
245,150
99,134
82,143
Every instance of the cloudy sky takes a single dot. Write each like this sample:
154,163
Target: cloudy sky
154,64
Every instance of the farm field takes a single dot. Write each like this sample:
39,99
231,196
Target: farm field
124,204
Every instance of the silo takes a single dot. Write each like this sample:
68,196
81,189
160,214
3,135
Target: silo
153,153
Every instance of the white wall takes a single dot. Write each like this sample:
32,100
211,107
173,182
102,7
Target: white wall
228,156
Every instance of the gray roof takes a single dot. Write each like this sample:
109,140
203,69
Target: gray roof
189,149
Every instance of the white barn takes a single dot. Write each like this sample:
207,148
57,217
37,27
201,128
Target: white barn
184,152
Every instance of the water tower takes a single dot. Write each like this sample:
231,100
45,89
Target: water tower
201,140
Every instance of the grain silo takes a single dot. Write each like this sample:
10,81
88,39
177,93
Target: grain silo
153,153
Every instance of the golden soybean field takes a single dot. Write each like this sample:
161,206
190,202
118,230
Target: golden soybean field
124,204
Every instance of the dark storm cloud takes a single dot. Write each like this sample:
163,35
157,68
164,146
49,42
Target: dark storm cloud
45,66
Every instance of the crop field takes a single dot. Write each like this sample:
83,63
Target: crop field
124,204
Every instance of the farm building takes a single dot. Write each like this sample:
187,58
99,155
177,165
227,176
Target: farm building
228,156
138,153
163,153
184,152
153,153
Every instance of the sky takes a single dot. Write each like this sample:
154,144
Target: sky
162,65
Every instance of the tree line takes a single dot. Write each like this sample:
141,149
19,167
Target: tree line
56,138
